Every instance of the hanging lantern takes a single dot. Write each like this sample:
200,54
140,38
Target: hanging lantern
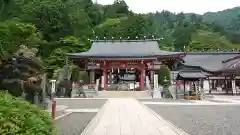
118,70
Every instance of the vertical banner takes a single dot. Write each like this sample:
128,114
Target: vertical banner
234,87
206,86
148,84
102,81
155,82
97,84
53,86
156,90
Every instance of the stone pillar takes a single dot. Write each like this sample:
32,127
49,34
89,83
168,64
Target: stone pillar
142,76
105,77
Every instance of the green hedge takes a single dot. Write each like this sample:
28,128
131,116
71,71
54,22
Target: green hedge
19,117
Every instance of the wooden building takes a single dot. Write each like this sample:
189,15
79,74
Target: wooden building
220,69
109,58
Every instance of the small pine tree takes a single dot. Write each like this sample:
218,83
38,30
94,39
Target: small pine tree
164,76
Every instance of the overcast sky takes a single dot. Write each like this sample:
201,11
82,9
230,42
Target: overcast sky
187,6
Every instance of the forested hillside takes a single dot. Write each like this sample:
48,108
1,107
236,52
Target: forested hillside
56,27
229,19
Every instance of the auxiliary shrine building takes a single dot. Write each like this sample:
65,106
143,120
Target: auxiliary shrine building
119,61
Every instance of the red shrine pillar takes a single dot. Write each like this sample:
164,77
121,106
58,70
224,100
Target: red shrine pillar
142,78
105,77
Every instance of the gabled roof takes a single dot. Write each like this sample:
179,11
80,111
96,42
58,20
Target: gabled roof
208,61
190,75
125,49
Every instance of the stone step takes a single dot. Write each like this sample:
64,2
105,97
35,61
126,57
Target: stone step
123,94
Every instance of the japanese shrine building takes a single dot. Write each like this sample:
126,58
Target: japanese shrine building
220,69
107,57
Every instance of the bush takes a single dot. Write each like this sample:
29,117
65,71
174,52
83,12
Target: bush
19,117
164,74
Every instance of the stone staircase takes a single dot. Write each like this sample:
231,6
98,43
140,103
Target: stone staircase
123,94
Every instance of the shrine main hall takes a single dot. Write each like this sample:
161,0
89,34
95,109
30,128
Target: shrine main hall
130,61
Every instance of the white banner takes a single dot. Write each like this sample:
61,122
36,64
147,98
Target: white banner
53,86
102,81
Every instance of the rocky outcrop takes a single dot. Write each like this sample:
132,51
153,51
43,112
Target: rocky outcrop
22,73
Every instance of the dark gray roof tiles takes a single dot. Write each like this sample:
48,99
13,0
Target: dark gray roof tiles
209,61
192,74
126,49
232,65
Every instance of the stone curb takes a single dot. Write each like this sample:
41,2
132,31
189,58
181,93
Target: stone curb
58,108
176,129
61,116
94,122
79,98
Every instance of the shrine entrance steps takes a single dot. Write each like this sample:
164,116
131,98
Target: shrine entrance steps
124,94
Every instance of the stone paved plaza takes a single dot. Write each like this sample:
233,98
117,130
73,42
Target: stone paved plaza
128,116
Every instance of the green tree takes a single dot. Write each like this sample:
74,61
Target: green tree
14,33
164,76
66,45
182,35
118,9
49,17
208,41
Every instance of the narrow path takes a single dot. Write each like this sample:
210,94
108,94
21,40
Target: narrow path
127,116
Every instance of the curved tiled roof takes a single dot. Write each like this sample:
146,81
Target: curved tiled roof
125,49
209,61
191,75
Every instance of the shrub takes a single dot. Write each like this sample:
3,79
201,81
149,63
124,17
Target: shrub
19,117
164,76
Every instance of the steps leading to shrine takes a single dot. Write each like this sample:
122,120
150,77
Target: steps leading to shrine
123,94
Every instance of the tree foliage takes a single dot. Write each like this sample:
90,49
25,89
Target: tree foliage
229,20
19,117
14,33
164,76
208,41
62,26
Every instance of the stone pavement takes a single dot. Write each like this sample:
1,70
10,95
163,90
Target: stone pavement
127,116
230,99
